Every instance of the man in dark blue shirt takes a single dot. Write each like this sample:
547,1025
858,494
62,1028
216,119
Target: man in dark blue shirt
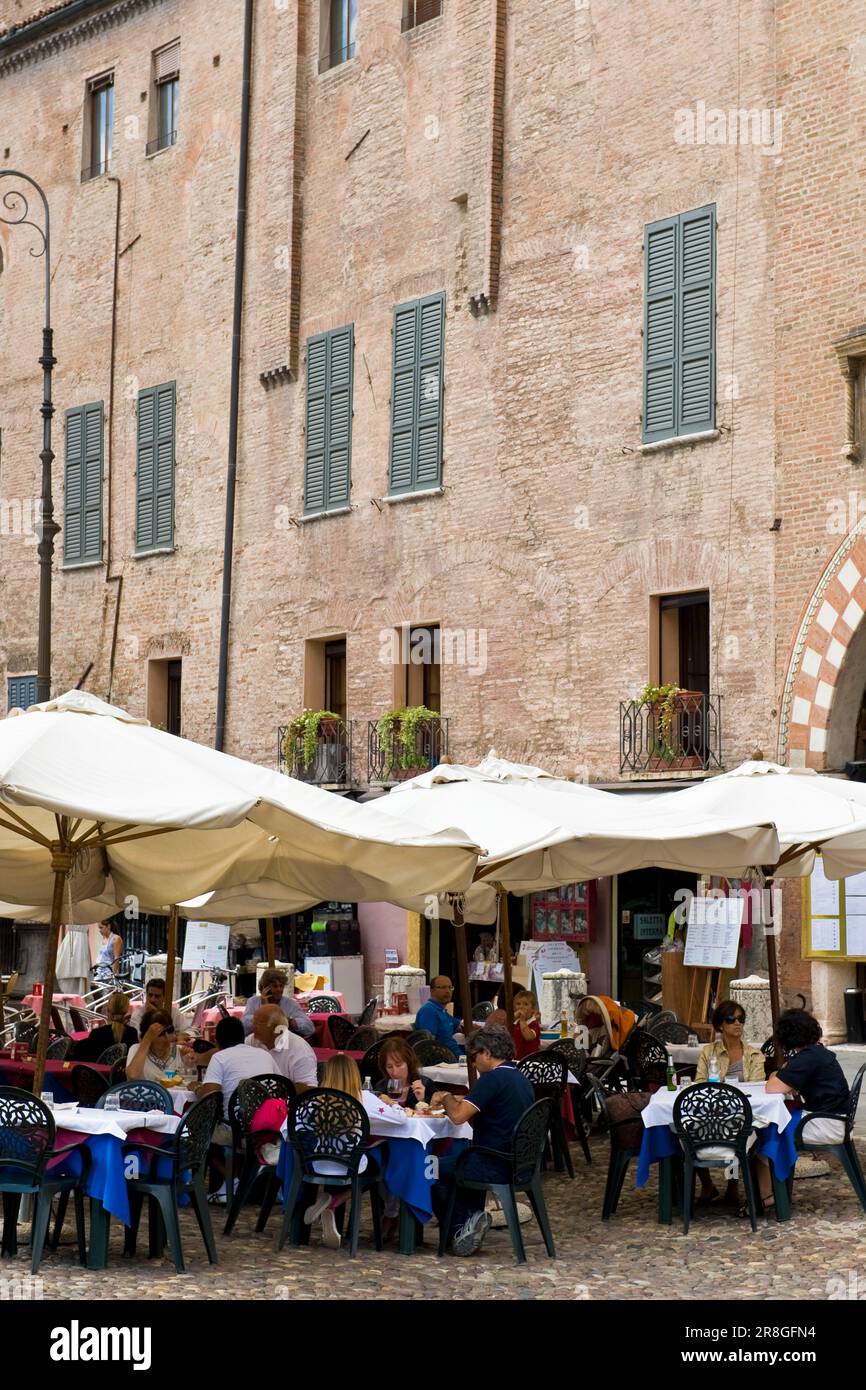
435,1017
494,1106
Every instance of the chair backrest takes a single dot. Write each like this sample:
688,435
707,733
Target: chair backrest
369,1063
255,1090
547,1071
78,1020
58,1048
711,1113
420,1035
646,1057
328,1124
324,1004
668,1031
576,1057
118,1071
361,1039
193,1135
26,1033
655,1020
368,1013
482,1010
854,1101
115,1053
530,1134
430,1054
26,1133
87,1085
139,1095
342,1029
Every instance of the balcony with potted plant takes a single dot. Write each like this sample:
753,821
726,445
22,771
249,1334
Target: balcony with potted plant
666,729
405,742
316,746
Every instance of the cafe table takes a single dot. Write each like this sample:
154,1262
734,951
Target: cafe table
105,1133
58,1001
454,1076
406,1170
774,1137
57,1075
394,1023
681,1054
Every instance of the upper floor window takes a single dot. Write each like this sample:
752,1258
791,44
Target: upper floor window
417,12
338,22
680,326
98,126
166,98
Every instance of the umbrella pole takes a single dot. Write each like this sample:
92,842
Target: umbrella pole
61,863
171,952
463,978
772,960
505,948
269,940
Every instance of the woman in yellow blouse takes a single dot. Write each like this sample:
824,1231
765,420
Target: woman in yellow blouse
738,1061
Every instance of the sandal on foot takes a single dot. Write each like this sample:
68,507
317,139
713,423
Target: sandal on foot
708,1199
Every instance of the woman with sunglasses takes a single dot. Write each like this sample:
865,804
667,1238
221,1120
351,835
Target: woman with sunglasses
156,1054
737,1061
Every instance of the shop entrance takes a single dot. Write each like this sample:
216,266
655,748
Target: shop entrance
645,900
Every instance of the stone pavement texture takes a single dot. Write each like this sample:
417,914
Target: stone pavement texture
631,1257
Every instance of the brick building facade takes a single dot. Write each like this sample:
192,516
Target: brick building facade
509,158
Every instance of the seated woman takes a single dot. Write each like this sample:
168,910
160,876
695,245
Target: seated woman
526,1031
814,1072
116,1030
738,1061
340,1074
157,1052
397,1062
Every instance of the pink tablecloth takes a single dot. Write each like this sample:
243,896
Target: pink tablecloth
324,1053
34,1001
213,1016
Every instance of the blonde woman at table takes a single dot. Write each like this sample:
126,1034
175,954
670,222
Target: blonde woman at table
156,1055
340,1074
737,1061
116,1030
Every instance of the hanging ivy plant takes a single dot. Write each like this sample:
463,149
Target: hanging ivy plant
305,726
663,698
397,732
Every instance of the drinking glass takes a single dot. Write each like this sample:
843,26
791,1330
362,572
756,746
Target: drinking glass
394,1087
112,1103
47,1098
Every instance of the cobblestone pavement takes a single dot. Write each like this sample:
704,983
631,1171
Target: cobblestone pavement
632,1257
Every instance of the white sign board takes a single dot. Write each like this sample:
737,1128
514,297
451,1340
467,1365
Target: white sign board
551,956
713,932
206,946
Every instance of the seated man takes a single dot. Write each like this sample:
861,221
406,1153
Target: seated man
154,1002
291,1056
494,1105
229,1065
435,1017
271,987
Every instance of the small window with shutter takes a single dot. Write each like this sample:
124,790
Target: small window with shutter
20,692
165,98
328,444
154,482
82,494
679,396
416,395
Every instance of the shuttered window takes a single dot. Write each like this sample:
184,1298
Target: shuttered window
416,395
680,326
20,692
82,496
154,526
328,451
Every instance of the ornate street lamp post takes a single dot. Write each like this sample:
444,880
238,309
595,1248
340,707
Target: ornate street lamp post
14,211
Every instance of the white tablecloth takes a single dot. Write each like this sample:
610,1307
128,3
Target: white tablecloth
457,1074
681,1052
85,1120
766,1109
393,1122
396,1022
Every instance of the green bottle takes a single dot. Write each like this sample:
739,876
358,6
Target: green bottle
671,1081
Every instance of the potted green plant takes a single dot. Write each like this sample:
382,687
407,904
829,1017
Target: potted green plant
307,728
666,702
397,732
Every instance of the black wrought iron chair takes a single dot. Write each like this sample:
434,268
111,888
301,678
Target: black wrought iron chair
844,1150
328,1125
139,1095
420,1035
713,1123
368,1013
548,1074
646,1059
369,1063
432,1054
27,1033
27,1133
342,1029
524,1164
361,1039
656,1019
770,1050
118,1072
323,1004
58,1049
482,1010
621,1116
115,1053
578,1061
669,1031
186,1161
87,1085
251,1096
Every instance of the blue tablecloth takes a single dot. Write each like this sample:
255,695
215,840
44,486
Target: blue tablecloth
659,1141
405,1170
106,1180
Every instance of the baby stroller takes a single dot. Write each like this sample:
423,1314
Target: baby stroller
608,1025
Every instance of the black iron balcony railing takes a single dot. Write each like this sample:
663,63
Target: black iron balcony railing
418,12
390,760
162,142
685,736
331,763
333,60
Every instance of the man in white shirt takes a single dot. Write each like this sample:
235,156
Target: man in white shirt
291,1056
231,1064
154,997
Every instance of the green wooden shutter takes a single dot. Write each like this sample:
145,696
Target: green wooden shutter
679,326
416,396
328,444
21,692
82,499
155,467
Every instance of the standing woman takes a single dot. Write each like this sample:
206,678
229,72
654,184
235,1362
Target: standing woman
108,960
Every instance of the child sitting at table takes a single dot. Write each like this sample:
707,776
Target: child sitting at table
526,1030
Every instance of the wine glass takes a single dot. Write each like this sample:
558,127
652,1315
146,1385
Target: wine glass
395,1086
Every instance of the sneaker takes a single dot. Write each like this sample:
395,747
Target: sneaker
330,1235
317,1208
470,1235
218,1198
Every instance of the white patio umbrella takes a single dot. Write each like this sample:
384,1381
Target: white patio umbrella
89,793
